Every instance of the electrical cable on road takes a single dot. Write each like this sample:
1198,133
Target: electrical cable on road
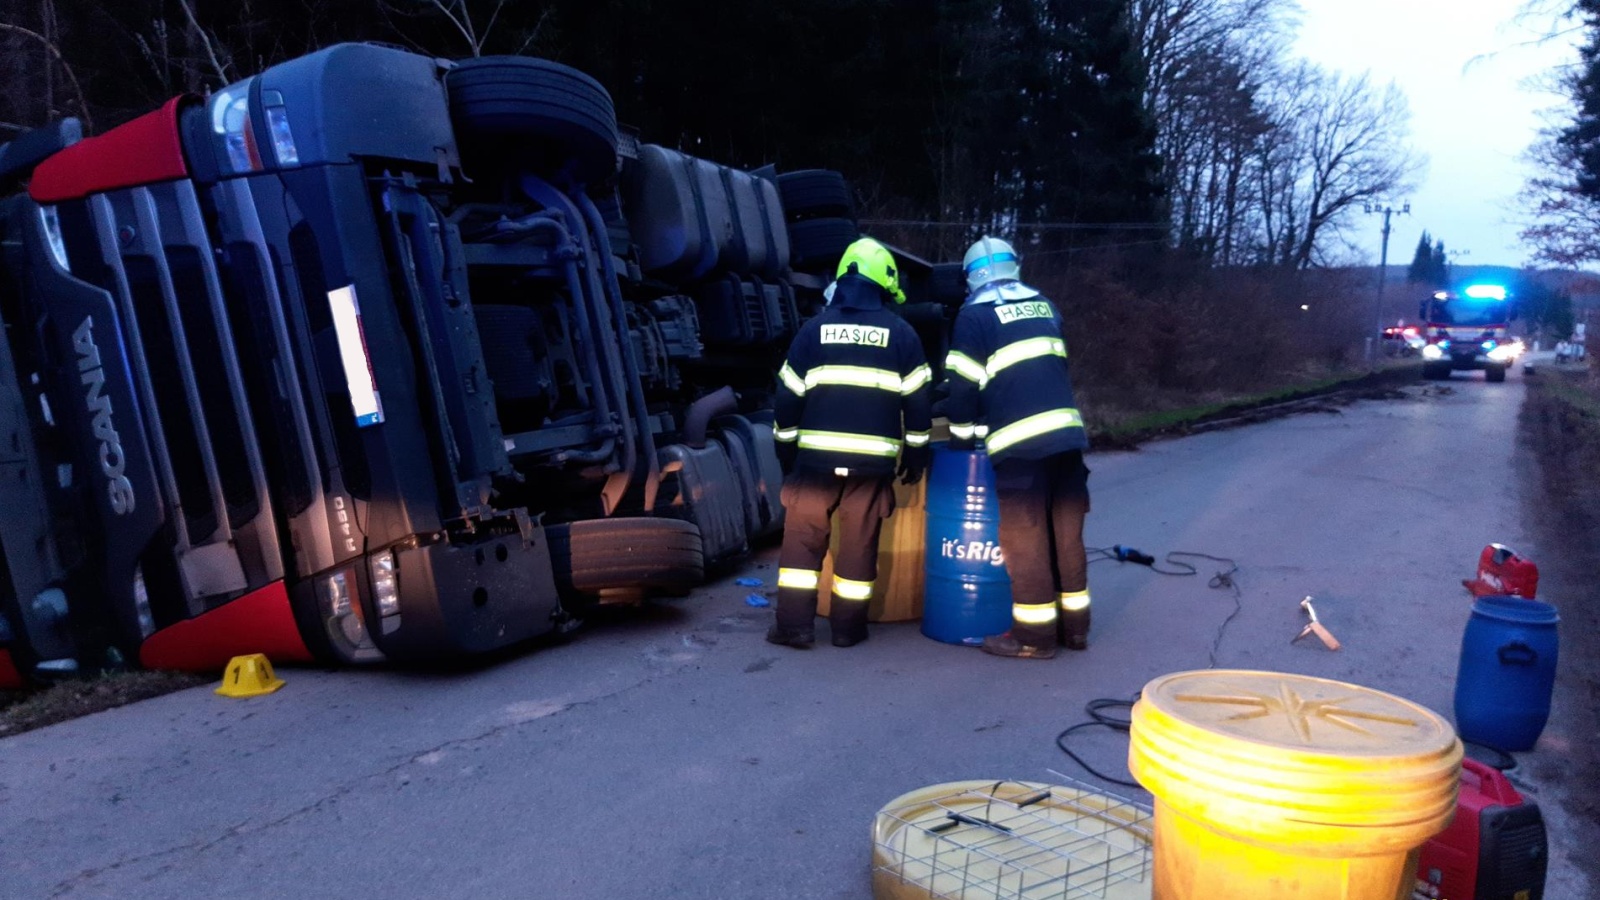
1099,719
1177,568
1221,580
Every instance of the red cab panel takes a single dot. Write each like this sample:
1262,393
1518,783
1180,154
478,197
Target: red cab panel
146,150
258,622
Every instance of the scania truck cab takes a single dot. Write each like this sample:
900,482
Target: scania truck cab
378,356
1470,329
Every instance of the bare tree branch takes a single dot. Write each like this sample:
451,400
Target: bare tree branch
538,29
206,41
83,104
459,14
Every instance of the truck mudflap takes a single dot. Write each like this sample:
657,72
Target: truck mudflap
469,599
259,622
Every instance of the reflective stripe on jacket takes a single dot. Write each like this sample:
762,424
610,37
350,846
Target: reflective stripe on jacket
1009,381
855,387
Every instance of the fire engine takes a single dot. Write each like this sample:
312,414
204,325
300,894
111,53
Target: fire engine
1469,330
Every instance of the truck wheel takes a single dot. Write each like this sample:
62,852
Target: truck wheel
1494,374
816,193
816,244
626,557
1435,371
502,104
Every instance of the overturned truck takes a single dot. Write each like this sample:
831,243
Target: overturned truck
373,356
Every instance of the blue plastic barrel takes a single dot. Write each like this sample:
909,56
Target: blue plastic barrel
966,593
1508,670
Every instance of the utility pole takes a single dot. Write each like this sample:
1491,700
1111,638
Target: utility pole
1383,267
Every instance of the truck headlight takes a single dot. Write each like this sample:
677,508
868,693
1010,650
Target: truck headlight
342,617
1433,351
385,584
141,603
1504,353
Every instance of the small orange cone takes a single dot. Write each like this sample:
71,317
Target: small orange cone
249,676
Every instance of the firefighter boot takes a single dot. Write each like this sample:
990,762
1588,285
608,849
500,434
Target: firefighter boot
849,621
1007,645
1074,628
786,637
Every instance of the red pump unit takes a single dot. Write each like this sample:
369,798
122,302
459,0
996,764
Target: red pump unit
1494,849
1503,573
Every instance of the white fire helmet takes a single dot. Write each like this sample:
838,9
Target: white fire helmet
992,263
990,259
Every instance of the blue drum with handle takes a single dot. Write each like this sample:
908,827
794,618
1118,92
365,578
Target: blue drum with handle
967,592
1507,673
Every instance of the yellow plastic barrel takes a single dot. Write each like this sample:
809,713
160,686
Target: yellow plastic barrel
897,594
1285,787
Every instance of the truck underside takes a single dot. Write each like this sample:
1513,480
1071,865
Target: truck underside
372,356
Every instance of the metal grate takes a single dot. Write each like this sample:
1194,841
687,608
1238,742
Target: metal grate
1009,839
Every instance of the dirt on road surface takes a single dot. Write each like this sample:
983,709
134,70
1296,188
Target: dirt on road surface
677,754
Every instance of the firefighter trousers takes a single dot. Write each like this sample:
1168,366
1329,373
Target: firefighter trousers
810,500
1042,506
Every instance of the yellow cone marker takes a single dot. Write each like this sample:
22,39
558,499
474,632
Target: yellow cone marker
249,676
1284,787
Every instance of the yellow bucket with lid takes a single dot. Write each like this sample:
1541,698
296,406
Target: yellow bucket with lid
1286,787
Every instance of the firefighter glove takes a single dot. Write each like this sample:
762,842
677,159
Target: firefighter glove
913,462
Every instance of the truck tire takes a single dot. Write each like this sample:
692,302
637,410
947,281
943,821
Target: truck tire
948,284
627,556
815,245
1435,371
814,194
501,105
1494,374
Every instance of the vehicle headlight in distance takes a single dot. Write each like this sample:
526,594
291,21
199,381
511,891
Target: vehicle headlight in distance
1504,353
1433,351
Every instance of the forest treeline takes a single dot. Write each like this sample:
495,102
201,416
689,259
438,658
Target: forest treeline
1171,154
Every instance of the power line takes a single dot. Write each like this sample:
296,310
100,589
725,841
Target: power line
1023,226
1091,248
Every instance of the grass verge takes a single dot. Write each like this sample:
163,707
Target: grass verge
1561,431
1112,426
26,710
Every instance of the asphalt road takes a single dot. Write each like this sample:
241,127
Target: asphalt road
677,754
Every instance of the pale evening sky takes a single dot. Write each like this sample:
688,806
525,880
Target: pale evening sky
1468,70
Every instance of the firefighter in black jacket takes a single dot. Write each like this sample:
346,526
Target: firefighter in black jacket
852,400
1009,385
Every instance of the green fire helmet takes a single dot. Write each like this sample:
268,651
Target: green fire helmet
872,261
